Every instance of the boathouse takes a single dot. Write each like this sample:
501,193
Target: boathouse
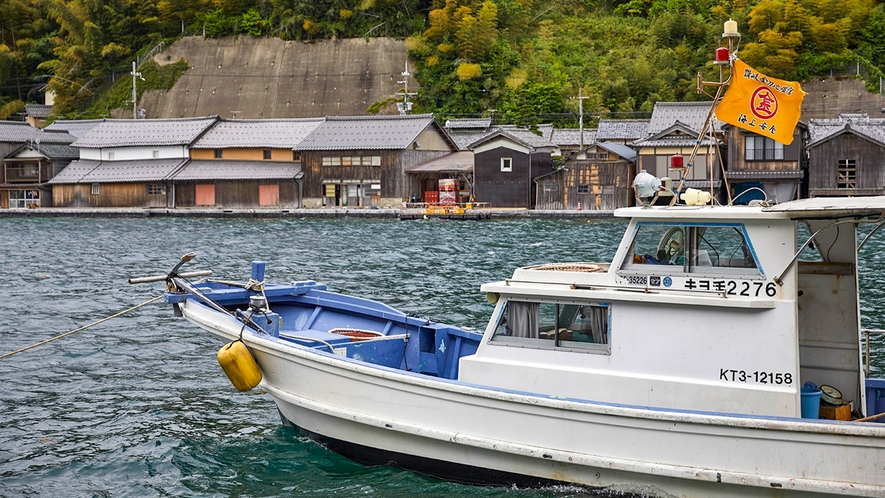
760,168
597,178
506,163
846,156
30,158
361,161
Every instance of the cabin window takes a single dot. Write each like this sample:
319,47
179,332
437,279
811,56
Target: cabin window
156,189
95,188
763,149
846,174
506,164
669,248
572,326
267,154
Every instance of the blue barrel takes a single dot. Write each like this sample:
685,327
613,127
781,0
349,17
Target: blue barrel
810,402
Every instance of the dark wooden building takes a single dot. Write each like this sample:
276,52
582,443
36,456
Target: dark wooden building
362,160
761,168
846,156
29,158
506,163
597,181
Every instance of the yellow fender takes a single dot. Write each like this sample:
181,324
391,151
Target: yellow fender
238,364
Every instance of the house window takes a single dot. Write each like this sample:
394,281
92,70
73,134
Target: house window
568,326
296,156
846,174
267,153
602,155
506,164
110,156
156,154
156,189
763,149
376,160
218,153
95,188
347,161
584,189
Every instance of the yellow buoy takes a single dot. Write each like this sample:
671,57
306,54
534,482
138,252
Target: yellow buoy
239,365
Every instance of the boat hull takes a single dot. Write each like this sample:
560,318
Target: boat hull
373,414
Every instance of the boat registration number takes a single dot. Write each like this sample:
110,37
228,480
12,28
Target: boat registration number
732,287
778,378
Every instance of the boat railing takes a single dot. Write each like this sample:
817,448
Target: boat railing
867,333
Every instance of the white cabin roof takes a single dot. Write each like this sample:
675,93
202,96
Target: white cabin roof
818,207
698,213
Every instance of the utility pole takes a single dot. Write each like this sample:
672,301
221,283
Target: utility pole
581,115
135,74
405,106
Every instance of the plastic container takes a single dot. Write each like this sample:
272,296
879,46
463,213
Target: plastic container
810,402
876,398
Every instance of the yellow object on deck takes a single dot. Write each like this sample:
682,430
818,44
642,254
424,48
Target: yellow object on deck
239,365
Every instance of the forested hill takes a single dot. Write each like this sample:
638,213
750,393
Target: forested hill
524,60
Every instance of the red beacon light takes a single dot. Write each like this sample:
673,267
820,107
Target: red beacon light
677,162
722,55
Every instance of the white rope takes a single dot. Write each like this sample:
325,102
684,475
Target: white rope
83,327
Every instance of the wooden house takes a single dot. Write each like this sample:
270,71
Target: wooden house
846,156
30,158
761,168
362,160
128,163
622,131
506,163
673,131
36,114
599,180
246,163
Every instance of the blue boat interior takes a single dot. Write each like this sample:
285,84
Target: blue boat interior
306,314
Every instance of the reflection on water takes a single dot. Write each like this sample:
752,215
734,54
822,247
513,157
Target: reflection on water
138,405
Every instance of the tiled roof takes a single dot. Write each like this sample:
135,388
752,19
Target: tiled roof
76,128
149,170
463,140
38,110
572,136
621,129
682,141
271,133
239,170
764,174
50,150
691,114
823,129
21,132
468,124
529,137
367,132
145,132
455,162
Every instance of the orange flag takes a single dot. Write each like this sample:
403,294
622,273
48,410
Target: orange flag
766,106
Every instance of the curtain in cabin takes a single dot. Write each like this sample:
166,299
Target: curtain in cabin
523,319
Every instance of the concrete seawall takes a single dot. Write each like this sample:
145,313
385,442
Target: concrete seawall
293,213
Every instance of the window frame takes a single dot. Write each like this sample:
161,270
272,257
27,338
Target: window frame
555,344
267,154
509,164
845,166
769,148
96,189
156,189
219,153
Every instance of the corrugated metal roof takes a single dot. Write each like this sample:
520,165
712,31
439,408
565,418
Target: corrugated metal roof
38,110
77,128
764,175
622,129
456,162
467,124
620,149
368,132
691,114
145,132
239,170
149,170
271,133
572,136
823,129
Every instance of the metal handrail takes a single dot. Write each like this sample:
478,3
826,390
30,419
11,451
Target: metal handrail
867,333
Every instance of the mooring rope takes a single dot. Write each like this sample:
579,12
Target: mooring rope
83,327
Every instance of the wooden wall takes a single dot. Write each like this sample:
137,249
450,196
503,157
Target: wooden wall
869,161
243,154
737,152
110,195
240,194
502,189
608,185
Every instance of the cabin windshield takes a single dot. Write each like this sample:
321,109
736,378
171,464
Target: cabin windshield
566,325
668,248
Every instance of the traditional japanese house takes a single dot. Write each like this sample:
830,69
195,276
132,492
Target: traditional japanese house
362,160
622,131
506,163
846,156
30,158
128,163
599,180
761,168
245,164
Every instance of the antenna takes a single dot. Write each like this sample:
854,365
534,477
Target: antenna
405,106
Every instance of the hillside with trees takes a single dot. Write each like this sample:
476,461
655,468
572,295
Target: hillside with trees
523,60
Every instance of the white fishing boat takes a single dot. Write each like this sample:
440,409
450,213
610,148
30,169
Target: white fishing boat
676,369
679,368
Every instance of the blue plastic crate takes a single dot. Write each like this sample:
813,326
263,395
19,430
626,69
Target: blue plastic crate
876,397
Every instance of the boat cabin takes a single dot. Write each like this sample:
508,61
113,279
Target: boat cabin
708,309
